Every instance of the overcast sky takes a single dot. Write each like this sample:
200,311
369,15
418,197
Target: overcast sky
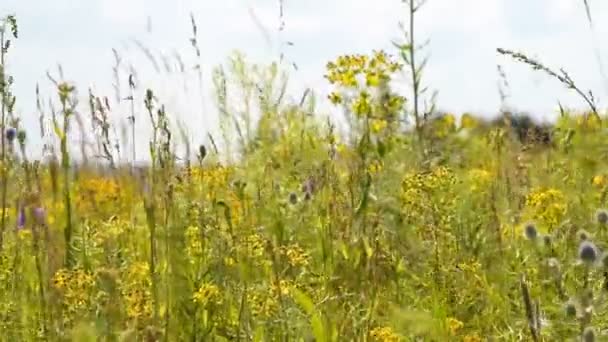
464,35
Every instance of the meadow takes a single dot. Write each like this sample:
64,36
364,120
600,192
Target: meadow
412,225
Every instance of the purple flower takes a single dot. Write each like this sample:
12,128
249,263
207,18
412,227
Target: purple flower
11,133
21,218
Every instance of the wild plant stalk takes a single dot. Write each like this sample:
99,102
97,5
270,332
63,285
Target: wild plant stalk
562,77
415,74
131,119
531,316
408,52
151,205
7,102
67,109
198,67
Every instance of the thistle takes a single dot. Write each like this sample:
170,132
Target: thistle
588,252
531,232
601,216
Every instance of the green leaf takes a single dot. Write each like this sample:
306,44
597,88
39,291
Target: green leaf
58,130
318,328
259,334
304,301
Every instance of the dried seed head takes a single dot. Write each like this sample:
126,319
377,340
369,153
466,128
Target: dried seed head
588,334
601,216
588,252
530,231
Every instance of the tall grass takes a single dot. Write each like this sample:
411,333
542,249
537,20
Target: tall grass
459,229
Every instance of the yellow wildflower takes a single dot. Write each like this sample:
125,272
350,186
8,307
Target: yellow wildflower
472,338
454,325
547,205
384,334
207,293
599,181
378,126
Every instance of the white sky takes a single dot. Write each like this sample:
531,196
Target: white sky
464,35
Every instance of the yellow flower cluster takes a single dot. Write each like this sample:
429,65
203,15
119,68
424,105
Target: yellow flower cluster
296,256
428,193
207,294
472,338
467,121
362,73
136,291
101,195
546,205
454,325
193,243
443,126
109,231
345,69
480,179
589,122
283,287
75,287
263,303
384,334
599,181
212,178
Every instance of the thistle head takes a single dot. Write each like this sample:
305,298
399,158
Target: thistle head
588,252
570,308
10,133
293,198
588,334
530,231
583,235
601,216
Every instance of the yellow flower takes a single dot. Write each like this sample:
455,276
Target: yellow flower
378,126
208,293
472,338
384,334
479,178
599,181
372,79
335,98
468,121
362,106
375,167
547,205
454,325
229,261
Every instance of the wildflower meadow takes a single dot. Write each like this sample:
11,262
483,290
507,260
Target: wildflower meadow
410,224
